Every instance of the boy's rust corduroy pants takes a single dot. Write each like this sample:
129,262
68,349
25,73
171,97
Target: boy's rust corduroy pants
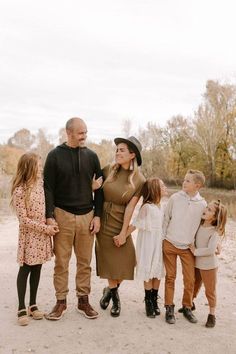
170,254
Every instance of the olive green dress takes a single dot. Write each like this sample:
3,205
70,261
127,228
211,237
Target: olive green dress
116,262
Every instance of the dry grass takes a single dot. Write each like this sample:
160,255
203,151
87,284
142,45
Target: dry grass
5,186
227,197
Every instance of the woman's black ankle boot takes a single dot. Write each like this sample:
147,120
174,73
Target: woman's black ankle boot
150,312
155,302
105,300
115,310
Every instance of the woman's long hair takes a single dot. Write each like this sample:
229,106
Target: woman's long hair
115,167
26,173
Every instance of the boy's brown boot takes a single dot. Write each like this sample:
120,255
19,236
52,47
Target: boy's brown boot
189,315
211,321
58,311
181,309
85,308
170,317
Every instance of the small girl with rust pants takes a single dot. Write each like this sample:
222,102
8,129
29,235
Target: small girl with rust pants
208,236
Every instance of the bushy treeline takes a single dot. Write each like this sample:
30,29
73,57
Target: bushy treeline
207,141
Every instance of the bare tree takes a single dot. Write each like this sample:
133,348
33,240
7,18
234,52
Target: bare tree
43,144
214,125
62,135
178,132
22,139
126,127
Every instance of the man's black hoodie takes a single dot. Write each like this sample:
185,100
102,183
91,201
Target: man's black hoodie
68,175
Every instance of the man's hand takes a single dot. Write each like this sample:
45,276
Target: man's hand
52,227
95,225
52,230
97,183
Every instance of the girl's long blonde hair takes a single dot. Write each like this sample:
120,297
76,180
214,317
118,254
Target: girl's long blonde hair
220,217
26,173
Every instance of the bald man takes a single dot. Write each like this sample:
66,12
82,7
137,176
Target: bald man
70,201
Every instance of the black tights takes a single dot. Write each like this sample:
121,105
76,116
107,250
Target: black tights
22,277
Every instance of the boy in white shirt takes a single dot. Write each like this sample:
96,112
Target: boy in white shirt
181,220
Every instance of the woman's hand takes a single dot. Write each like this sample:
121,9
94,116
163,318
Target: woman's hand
97,183
119,240
95,225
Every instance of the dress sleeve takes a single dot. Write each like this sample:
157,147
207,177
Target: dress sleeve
211,247
21,212
145,219
105,171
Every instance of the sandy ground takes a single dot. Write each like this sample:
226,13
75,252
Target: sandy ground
132,332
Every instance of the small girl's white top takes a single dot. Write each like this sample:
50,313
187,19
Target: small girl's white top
34,246
206,242
149,242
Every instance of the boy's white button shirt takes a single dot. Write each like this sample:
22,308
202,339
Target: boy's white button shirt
182,218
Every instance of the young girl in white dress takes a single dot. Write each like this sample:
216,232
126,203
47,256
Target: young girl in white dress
149,266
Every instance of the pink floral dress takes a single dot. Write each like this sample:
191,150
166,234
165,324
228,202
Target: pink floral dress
34,246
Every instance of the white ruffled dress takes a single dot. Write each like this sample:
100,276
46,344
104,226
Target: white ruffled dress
149,242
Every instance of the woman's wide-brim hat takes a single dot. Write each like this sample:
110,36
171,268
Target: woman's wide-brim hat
134,144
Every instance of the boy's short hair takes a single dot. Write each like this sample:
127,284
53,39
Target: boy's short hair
198,176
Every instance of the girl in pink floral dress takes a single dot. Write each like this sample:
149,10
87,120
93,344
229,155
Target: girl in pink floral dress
34,245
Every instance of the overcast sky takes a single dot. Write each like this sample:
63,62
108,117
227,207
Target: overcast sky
107,61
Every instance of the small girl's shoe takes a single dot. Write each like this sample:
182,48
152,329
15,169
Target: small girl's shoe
23,319
34,312
211,321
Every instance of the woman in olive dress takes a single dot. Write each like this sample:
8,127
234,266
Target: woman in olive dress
115,252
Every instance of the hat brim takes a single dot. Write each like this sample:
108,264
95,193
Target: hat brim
132,146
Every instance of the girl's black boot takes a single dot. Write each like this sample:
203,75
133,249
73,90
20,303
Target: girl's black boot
150,312
155,302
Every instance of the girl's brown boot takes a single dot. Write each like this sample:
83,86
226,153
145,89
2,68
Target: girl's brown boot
211,321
